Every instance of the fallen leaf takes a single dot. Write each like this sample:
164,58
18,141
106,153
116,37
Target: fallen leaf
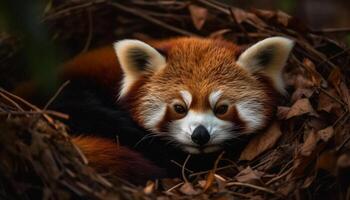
326,134
314,137
262,142
335,79
198,15
283,18
282,112
300,107
248,175
345,93
149,188
327,103
239,15
300,93
309,144
188,189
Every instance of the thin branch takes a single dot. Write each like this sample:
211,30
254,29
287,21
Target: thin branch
151,19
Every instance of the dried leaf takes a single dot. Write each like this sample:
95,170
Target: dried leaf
326,134
248,175
282,112
149,188
301,107
261,142
314,137
326,103
240,15
335,79
283,18
300,93
345,94
188,189
309,144
210,180
199,15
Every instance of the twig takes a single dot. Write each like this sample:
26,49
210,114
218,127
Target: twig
183,169
207,171
179,165
49,112
174,187
331,96
151,19
212,172
332,30
90,31
11,101
70,9
56,94
48,118
336,55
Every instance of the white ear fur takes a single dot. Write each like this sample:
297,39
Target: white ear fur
136,58
269,57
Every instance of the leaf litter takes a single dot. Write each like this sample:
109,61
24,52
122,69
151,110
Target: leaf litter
303,155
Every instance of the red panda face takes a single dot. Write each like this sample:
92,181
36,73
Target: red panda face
202,93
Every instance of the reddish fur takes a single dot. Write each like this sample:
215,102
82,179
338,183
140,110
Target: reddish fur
108,158
189,70
99,66
220,71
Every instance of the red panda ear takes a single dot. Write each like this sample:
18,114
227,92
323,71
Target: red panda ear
136,59
268,57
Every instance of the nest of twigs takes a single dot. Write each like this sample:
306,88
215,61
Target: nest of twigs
304,155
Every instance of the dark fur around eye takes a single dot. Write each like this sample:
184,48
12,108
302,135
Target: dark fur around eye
180,109
220,110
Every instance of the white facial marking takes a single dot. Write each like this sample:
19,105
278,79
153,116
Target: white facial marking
154,114
250,112
218,129
187,97
214,97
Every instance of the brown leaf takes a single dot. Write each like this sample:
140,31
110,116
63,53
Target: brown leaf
188,189
282,112
199,15
283,18
300,93
345,93
326,134
248,175
326,103
240,15
149,188
314,137
262,142
335,79
300,107
309,144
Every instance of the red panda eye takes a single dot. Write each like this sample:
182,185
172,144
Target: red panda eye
180,109
220,110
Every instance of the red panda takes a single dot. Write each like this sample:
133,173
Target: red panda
195,93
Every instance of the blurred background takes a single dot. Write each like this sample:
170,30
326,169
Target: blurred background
41,33
318,14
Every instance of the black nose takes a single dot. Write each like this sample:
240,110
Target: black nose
200,135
